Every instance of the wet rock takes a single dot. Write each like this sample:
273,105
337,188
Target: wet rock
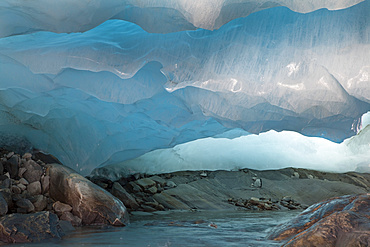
45,183
89,202
22,228
340,221
128,200
3,205
60,207
34,188
24,206
68,216
145,183
12,166
34,171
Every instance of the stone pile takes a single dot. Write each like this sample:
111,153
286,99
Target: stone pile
137,192
266,204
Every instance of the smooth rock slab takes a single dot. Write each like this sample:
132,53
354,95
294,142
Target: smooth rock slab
339,221
92,204
23,228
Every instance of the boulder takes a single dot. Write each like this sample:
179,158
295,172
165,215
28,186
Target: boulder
145,183
119,192
60,207
92,204
68,216
39,202
34,188
34,171
339,221
23,228
45,182
3,205
24,206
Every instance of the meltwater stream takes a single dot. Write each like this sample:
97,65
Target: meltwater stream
215,228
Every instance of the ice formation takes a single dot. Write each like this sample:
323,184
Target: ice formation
142,77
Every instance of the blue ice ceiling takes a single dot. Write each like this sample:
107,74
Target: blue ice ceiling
141,76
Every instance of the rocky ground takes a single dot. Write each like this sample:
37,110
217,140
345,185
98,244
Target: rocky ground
246,189
41,201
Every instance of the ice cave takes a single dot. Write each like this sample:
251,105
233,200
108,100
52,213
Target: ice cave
164,85
206,122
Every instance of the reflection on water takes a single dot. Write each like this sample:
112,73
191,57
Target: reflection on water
215,228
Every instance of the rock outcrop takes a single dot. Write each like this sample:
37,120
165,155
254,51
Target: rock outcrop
339,221
23,228
92,204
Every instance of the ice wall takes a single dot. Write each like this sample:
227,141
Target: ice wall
116,92
24,16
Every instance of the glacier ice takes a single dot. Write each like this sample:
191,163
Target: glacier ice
23,16
266,151
116,91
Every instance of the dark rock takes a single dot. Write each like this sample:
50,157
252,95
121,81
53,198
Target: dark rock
145,183
339,221
15,189
23,181
152,190
119,192
60,207
34,188
34,171
1,167
25,205
134,187
6,183
22,187
89,202
7,195
12,166
45,183
3,205
3,177
68,216
40,202
22,228
9,155
148,208
21,171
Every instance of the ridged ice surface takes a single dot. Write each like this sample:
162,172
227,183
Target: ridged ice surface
116,91
24,16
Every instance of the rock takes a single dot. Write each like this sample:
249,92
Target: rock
6,183
34,188
22,187
9,155
148,208
295,175
145,183
68,216
152,190
21,171
92,204
45,183
34,171
170,184
7,195
160,181
128,200
1,167
310,176
27,156
257,183
203,174
3,205
23,181
22,228
339,221
24,205
12,166
3,177
40,202
170,202
60,207
134,187
16,190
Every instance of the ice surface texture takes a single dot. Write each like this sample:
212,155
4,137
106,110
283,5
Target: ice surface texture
116,91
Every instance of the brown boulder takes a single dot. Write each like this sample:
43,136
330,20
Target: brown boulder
22,228
92,204
339,221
